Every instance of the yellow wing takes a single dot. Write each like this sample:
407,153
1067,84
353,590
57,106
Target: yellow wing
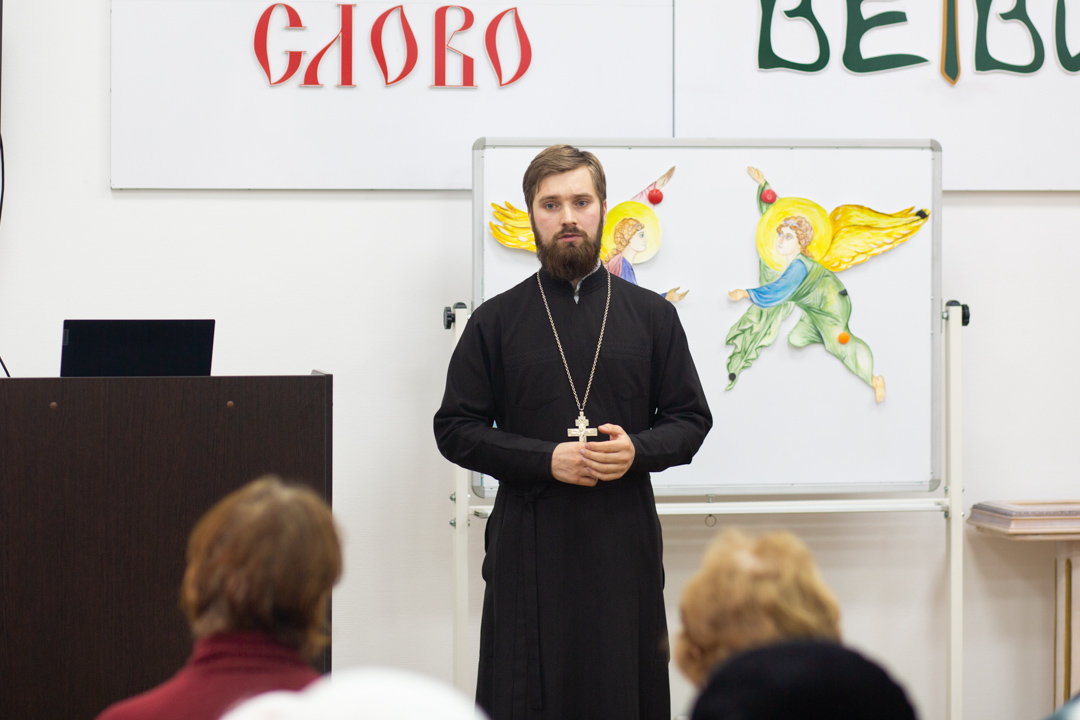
513,229
859,233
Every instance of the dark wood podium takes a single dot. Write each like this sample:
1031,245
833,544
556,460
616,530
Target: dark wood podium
101,481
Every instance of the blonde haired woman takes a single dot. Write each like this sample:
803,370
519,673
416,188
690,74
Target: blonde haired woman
761,639
750,593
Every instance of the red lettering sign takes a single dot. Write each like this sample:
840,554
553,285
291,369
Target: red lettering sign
345,35
525,57
442,44
411,52
262,52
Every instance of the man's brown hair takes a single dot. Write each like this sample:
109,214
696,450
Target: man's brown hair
559,159
264,559
750,593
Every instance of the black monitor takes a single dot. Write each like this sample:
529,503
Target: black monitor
136,348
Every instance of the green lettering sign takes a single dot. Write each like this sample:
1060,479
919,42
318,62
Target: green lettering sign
1070,63
769,60
950,43
984,61
857,26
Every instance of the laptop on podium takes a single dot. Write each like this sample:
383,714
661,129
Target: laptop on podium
136,348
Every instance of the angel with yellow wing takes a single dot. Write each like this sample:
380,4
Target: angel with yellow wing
630,232
801,248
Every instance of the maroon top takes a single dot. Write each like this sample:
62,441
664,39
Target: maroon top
222,671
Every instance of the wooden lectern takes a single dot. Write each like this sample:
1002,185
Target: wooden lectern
101,482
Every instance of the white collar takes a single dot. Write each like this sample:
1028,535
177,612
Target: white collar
577,288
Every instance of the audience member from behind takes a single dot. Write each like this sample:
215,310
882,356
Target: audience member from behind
260,567
748,594
363,694
801,680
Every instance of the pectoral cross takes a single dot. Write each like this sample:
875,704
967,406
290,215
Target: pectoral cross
583,430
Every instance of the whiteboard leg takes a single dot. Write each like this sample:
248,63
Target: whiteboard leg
461,578
461,553
954,527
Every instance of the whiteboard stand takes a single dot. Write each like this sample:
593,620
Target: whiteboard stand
955,317
460,523
951,505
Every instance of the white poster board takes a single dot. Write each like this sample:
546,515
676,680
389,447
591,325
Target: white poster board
797,421
192,106
1002,130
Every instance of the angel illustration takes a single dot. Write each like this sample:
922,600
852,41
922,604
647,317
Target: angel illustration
801,247
631,232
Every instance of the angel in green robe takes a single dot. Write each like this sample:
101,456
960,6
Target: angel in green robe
801,248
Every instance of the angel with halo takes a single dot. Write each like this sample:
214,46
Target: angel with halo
801,248
631,233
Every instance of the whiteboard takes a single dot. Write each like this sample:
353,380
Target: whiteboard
797,421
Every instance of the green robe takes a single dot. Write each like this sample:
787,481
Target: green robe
826,310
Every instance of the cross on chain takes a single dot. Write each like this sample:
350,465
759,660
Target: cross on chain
583,430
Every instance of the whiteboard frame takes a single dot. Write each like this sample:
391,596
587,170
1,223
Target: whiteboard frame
486,487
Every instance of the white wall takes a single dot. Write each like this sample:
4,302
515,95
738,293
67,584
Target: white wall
354,282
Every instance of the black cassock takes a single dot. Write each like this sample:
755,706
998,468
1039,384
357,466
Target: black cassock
573,623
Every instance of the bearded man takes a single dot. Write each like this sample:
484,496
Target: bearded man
573,623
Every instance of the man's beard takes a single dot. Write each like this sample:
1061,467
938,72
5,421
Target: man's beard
569,261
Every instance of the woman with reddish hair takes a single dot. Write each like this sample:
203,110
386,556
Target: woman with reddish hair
260,567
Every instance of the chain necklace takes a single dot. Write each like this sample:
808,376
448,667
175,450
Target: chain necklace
582,430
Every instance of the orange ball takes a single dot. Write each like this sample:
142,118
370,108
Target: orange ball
843,338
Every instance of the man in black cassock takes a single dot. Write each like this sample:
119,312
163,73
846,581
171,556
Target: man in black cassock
574,623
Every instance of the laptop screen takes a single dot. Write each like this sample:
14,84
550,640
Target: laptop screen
136,348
